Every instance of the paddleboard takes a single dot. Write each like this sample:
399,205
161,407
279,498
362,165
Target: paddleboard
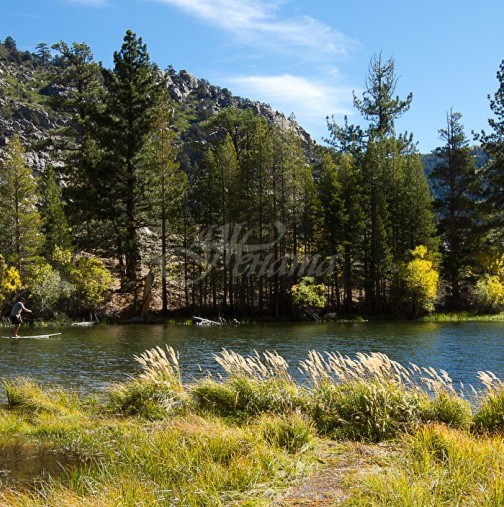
35,336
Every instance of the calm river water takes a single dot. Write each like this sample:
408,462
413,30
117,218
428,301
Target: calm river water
88,359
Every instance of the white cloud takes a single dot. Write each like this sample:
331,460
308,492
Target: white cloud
261,29
311,101
259,22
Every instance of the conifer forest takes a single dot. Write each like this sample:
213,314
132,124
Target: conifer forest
227,208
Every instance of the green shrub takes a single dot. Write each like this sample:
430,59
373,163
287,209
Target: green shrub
242,394
308,294
490,414
448,409
217,397
253,386
489,293
147,399
368,410
47,287
92,280
292,432
156,392
26,395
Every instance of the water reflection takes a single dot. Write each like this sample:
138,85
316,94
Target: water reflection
24,465
88,359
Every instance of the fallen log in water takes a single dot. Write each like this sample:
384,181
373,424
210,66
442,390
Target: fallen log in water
200,321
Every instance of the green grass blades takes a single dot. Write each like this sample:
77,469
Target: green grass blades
439,467
367,410
26,395
291,431
449,409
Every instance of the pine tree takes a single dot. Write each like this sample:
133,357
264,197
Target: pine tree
331,196
132,95
21,239
224,194
10,44
55,228
455,182
340,189
390,174
493,172
168,185
259,207
75,143
43,52
378,105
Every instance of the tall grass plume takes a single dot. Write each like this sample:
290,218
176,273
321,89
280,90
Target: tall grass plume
489,416
253,385
155,392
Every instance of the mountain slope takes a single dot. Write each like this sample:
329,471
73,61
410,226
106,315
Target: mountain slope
25,110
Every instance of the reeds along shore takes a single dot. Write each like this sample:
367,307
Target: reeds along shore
153,440
370,397
367,398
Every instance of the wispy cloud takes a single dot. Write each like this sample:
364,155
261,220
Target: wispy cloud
261,23
311,101
261,29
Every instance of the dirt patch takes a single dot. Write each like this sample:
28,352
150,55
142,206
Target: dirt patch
331,484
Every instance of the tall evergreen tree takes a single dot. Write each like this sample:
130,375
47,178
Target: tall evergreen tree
340,189
168,185
10,44
390,172
43,52
74,143
378,105
259,207
133,88
21,239
224,194
455,183
55,225
493,172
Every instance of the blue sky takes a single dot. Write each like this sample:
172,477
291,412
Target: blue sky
300,57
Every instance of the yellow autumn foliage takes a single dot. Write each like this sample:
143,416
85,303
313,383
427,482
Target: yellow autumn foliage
10,281
421,280
489,289
308,294
490,293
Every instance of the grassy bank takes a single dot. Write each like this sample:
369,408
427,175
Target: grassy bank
183,319
465,317
240,440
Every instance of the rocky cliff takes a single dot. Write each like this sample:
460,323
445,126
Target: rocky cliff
24,108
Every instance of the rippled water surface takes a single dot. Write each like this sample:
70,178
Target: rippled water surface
88,359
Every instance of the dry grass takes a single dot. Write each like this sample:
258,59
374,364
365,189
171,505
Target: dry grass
156,392
376,367
160,366
177,451
272,366
439,467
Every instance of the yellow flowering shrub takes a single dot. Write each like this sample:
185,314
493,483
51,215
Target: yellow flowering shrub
61,256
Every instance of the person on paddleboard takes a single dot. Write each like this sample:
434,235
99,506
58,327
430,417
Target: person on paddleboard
15,316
